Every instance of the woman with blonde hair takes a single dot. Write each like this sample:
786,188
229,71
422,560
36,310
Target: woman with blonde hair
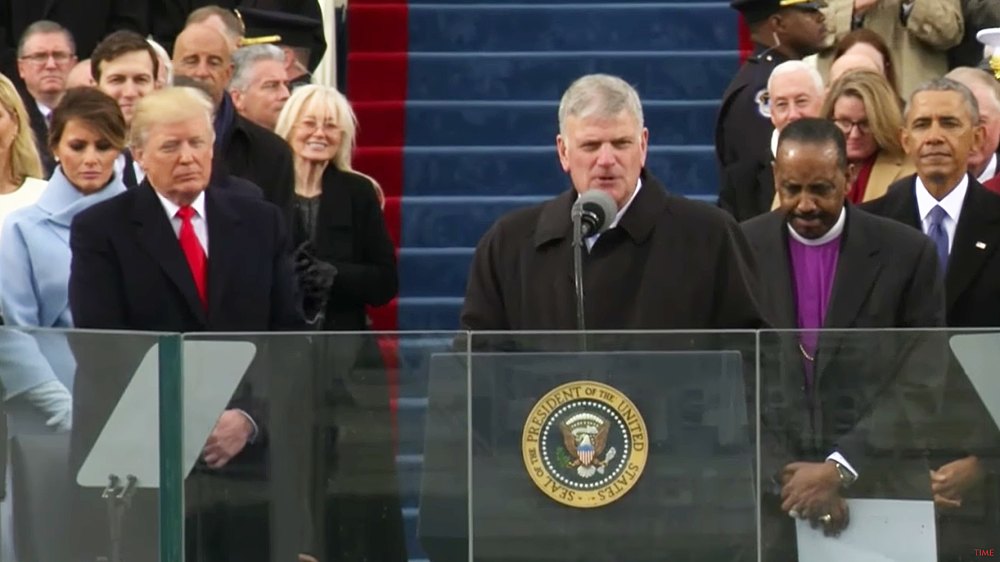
345,244
20,166
865,107
337,210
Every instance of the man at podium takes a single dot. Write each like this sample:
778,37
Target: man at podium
176,256
666,262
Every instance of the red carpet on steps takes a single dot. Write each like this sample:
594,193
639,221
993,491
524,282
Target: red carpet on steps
378,41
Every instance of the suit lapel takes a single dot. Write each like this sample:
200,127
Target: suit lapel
777,263
976,238
156,236
857,270
223,243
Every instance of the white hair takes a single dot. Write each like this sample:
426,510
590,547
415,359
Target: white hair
599,94
793,66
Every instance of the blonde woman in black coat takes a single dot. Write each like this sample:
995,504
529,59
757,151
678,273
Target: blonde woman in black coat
346,262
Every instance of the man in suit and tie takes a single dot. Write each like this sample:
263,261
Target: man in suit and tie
125,67
842,410
173,255
45,55
942,129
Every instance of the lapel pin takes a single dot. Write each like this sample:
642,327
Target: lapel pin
981,245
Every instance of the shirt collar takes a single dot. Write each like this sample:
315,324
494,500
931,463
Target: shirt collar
774,142
171,208
621,212
44,110
831,235
952,203
990,170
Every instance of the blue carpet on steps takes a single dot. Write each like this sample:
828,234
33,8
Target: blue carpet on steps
530,123
527,75
552,27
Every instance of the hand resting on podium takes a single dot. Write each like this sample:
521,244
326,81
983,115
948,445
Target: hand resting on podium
229,436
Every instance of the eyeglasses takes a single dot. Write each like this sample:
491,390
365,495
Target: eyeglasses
311,127
41,58
845,125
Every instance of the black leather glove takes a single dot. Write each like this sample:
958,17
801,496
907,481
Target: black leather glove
315,280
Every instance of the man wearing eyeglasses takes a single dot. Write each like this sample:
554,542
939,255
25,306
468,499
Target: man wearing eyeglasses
45,56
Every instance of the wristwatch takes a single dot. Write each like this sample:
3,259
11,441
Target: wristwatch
846,476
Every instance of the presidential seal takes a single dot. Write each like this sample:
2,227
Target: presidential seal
585,444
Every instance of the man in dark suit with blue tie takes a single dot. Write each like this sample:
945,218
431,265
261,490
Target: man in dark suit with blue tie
963,219
174,256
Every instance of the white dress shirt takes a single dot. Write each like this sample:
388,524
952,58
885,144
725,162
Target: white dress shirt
46,112
120,165
198,221
591,240
952,205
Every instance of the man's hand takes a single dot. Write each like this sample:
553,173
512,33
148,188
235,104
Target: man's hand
839,518
227,439
950,482
861,7
809,488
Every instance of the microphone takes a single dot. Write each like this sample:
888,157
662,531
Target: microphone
591,214
595,210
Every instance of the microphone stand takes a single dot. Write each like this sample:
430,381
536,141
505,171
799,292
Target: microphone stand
577,216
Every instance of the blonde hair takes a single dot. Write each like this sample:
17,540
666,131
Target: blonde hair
23,161
335,104
169,105
881,105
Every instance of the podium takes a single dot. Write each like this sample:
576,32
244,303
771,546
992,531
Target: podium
497,422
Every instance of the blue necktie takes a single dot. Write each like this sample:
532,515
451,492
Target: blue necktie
937,233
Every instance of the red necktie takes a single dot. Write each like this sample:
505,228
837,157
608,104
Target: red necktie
193,251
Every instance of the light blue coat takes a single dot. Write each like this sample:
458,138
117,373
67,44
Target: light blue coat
34,271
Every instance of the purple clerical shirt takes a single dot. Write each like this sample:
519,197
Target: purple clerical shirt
814,268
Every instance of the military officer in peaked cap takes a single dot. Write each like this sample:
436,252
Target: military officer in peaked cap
781,30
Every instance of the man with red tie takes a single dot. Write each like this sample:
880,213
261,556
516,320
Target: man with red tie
177,255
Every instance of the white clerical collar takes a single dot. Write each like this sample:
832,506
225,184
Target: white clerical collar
990,171
832,234
952,203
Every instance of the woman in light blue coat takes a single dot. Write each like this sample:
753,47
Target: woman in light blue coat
86,135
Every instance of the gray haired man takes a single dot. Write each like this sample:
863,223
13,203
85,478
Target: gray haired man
667,262
258,85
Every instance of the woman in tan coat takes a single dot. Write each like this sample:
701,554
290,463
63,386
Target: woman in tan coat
918,33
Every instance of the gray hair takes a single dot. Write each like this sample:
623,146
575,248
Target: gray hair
43,27
975,77
793,66
244,60
947,85
599,94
